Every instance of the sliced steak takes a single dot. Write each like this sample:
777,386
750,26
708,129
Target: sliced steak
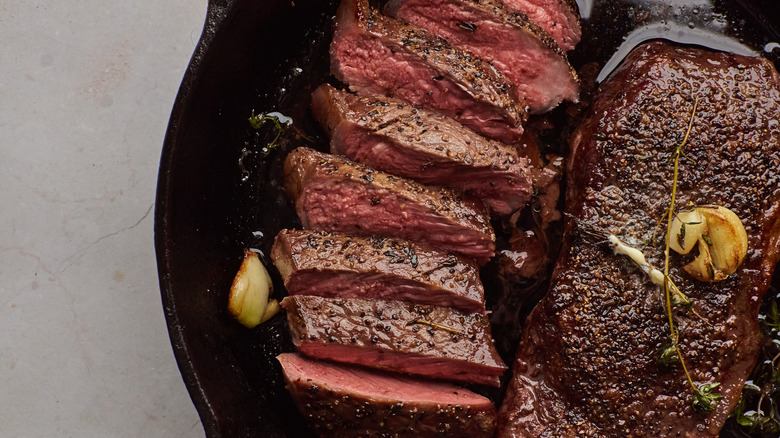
560,18
339,266
395,137
331,193
376,54
588,364
343,401
525,54
430,341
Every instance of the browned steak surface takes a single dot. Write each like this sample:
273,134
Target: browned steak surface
521,50
376,54
393,136
560,18
331,193
343,401
588,364
337,265
431,341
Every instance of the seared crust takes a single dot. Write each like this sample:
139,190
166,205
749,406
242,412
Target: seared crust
502,13
521,65
430,341
560,18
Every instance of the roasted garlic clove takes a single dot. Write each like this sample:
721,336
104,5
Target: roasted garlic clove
687,227
721,239
728,238
271,309
702,268
249,293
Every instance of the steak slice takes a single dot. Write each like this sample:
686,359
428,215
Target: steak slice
522,51
395,137
588,364
430,341
376,54
335,265
343,401
331,193
559,18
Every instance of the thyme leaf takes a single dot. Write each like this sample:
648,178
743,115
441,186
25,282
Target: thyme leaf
705,398
669,356
773,319
758,410
679,299
257,121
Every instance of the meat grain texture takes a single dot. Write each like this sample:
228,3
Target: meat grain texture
376,54
521,50
331,193
588,362
430,341
343,401
392,136
337,265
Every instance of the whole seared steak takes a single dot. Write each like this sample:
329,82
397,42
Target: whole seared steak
331,193
376,54
431,341
343,401
589,362
336,265
393,136
522,51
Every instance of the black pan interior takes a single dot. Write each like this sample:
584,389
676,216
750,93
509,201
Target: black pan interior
217,194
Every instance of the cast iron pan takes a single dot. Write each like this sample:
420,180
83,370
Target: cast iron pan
217,194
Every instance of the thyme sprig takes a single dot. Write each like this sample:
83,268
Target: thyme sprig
256,121
433,325
705,397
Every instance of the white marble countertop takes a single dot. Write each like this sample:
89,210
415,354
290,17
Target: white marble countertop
86,89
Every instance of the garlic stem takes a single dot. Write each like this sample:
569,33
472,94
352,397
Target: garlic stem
619,247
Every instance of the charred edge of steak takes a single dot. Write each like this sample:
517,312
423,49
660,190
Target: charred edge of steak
562,21
332,107
336,265
338,401
500,11
352,198
573,7
480,79
533,78
431,341
462,64
393,136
